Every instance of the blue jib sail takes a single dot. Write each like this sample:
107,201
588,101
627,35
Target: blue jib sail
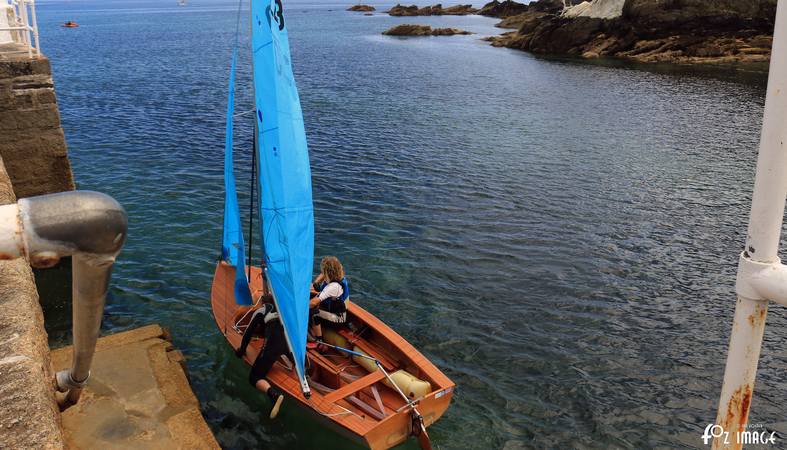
232,242
285,185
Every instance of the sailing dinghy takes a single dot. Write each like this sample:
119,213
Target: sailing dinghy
370,384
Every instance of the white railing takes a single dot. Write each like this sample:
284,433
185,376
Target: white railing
18,25
762,278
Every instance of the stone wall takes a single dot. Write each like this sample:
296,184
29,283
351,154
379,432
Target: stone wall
31,139
33,150
29,416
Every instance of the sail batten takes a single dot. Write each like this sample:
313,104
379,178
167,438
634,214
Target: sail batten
286,209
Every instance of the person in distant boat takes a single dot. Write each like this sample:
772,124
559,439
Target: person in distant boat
275,346
330,292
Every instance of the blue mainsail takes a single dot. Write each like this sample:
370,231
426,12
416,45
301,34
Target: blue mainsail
285,184
232,242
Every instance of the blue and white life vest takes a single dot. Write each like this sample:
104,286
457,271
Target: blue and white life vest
345,290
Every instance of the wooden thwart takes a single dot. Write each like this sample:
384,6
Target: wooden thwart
355,386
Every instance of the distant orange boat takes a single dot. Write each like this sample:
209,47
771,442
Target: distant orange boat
70,24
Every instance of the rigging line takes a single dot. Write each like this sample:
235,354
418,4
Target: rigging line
243,113
253,307
237,24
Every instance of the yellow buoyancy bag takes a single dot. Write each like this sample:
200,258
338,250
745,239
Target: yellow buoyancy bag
412,387
366,363
334,338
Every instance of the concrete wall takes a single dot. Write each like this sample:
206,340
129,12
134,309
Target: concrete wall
29,416
32,143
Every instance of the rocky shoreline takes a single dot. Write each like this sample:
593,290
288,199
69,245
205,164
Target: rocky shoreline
434,10
422,30
675,31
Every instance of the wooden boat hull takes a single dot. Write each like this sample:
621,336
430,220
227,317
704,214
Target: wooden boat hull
359,403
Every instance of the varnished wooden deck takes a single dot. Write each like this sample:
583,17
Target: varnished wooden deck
377,434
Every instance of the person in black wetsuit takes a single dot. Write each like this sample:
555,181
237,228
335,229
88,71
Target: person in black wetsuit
275,346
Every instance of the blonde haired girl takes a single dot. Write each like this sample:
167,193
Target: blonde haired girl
330,292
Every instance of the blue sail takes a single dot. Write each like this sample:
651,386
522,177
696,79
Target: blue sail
232,242
285,177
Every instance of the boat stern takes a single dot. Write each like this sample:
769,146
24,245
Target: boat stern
397,428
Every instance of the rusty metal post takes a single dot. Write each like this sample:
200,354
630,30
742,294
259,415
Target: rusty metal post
761,276
748,326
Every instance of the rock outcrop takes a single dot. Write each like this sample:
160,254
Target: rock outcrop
434,10
422,30
515,14
502,9
681,31
516,22
361,8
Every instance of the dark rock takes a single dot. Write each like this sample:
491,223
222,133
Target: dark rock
518,20
401,11
422,30
672,14
458,10
548,6
565,35
435,10
505,9
363,8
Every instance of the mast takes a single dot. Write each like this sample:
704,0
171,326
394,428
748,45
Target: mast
255,161
761,275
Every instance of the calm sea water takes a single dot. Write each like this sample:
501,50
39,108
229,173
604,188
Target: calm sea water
559,237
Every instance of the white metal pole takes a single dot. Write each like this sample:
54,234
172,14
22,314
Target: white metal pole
26,25
745,342
34,26
761,276
770,184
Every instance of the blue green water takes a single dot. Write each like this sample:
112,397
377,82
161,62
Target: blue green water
559,237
